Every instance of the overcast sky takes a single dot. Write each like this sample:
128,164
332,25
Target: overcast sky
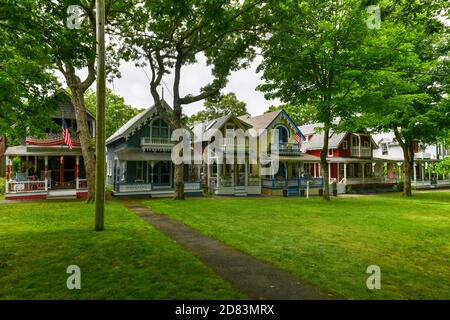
133,86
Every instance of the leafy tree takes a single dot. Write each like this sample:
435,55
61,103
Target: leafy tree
216,108
117,111
25,81
69,50
300,114
408,94
170,34
309,58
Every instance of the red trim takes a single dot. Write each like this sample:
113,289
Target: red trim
82,195
27,197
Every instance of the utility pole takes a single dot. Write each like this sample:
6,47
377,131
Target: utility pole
100,115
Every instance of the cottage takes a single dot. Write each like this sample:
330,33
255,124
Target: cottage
46,167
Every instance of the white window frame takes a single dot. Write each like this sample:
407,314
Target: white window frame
345,144
330,151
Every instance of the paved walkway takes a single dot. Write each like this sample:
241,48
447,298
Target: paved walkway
252,277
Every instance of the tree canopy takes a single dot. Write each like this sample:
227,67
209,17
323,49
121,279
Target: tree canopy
117,111
224,105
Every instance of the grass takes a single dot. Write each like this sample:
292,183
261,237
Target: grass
332,244
129,260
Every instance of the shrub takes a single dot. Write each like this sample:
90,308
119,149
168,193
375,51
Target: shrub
108,188
2,185
400,186
15,166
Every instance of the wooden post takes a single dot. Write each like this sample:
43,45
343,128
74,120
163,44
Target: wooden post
100,115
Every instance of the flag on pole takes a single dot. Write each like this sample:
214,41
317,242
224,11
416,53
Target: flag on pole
298,138
66,135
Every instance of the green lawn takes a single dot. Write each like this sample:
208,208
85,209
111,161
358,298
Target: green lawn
332,244
129,260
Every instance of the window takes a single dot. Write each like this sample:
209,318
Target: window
283,135
384,149
355,141
330,152
345,145
139,171
159,129
366,144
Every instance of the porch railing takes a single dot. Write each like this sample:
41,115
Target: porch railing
52,139
156,144
26,186
302,183
369,180
288,149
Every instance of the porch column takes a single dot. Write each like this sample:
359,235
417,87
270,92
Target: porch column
46,172
314,170
429,171
423,173
246,173
7,168
415,173
345,173
329,171
77,163
338,165
363,171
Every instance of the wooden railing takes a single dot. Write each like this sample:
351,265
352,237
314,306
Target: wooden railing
156,144
26,186
288,149
275,183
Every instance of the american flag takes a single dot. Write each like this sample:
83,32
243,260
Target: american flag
66,135
298,138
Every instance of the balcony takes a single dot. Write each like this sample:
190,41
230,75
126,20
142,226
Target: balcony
52,139
422,155
288,149
156,144
361,152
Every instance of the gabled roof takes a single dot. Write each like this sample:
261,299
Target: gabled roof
265,120
316,141
204,131
135,122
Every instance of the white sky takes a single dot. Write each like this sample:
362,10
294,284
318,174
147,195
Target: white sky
133,86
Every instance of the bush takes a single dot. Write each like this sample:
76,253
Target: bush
2,185
108,188
400,186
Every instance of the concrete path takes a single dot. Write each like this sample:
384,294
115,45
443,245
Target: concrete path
252,277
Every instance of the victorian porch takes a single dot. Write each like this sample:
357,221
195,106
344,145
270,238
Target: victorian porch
44,173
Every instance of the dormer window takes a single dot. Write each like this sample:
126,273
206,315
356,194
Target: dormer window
384,149
330,152
160,129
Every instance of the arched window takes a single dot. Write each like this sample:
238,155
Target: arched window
283,134
159,129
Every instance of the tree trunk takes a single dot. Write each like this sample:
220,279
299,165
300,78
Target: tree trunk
324,165
179,182
86,138
408,167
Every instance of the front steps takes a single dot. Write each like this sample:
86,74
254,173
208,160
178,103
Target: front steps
62,195
240,192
